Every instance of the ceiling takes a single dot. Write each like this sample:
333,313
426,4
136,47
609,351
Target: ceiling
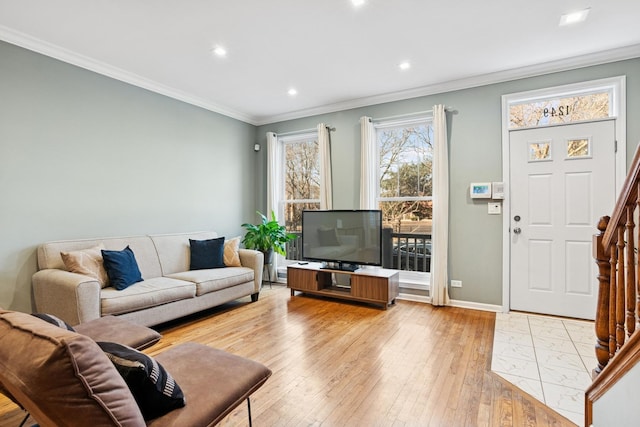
336,55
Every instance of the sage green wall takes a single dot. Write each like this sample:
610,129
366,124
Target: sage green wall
475,154
83,155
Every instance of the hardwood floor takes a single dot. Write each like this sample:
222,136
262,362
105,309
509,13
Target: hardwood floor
345,364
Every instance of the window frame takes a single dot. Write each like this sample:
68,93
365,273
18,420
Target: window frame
380,125
293,138
409,279
289,140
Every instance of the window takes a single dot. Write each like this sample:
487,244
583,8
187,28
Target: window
405,190
579,148
301,182
539,151
563,108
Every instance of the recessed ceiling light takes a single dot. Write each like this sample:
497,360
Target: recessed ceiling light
405,65
292,92
220,51
574,17
357,3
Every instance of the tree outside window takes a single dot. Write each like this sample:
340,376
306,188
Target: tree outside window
405,176
559,110
301,179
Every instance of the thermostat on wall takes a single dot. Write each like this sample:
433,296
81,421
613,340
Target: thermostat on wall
480,190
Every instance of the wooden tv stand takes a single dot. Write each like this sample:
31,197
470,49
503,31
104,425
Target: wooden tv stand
375,285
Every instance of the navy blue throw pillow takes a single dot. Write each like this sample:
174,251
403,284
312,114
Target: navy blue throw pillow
122,268
206,253
155,390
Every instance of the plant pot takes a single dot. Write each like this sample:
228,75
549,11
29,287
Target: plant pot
268,256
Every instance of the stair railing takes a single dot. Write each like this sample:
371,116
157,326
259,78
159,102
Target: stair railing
615,251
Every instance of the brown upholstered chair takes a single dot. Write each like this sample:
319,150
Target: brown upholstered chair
63,378
110,329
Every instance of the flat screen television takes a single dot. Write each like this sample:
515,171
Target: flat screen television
345,239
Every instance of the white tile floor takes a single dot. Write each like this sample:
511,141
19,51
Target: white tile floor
548,357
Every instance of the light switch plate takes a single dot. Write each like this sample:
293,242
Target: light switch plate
494,208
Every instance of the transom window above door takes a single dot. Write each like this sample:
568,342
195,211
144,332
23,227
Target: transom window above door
560,110
579,102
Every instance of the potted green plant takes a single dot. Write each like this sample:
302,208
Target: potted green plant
266,237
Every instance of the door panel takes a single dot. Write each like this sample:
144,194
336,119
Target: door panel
579,260
562,182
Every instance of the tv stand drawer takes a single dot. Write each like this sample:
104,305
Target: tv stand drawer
303,278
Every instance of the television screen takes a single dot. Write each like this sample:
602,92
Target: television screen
347,238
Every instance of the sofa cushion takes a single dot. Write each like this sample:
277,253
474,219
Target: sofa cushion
214,279
173,249
144,248
153,388
206,253
52,372
236,378
116,329
145,294
88,262
231,254
122,268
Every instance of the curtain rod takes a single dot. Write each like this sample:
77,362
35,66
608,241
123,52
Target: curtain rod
402,116
303,131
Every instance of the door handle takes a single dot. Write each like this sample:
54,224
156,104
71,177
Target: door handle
517,230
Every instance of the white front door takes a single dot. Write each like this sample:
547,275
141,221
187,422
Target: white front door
562,181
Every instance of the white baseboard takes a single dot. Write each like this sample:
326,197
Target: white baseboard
427,300
475,305
453,303
415,298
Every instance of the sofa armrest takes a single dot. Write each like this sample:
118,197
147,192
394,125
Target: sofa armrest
75,298
255,260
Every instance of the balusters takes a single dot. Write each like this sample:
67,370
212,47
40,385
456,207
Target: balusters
635,257
612,301
602,313
630,284
620,290
619,287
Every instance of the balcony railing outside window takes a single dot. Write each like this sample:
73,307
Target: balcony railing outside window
402,251
409,252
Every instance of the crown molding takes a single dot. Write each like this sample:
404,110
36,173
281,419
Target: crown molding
40,46
587,60
31,43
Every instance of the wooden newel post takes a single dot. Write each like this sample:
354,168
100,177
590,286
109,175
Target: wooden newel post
602,314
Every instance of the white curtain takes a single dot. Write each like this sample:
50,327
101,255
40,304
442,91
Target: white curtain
368,162
273,189
440,230
273,181
324,145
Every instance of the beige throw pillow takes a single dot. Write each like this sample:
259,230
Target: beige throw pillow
231,256
88,262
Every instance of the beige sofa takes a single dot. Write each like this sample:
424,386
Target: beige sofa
169,289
